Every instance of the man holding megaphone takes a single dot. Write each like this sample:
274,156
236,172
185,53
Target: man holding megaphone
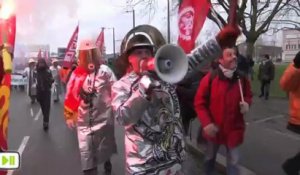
145,101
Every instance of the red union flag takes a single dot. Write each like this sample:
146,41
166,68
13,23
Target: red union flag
71,49
100,41
7,36
39,55
191,17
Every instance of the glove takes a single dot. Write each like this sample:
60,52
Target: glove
211,130
85,96
244,107
146,85
227,36
297,61
71,123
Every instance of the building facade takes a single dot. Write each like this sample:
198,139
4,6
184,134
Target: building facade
290,45
260,50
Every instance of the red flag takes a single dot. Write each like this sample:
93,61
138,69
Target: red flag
100,41
71,49
39,55
7,35
191,17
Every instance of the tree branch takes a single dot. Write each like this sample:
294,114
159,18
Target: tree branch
277,8
224,5
263,8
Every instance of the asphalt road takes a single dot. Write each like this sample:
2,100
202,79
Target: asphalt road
56,152
267,142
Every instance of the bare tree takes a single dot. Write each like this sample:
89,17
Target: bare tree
255,17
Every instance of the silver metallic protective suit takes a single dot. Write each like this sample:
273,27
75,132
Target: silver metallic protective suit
154,135
95,126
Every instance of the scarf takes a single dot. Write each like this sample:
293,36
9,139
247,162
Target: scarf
227,72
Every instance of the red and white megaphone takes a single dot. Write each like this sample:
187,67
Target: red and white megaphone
170,63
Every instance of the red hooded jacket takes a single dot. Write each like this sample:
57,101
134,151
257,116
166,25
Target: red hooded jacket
222,108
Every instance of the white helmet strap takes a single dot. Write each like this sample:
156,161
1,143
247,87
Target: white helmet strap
135,34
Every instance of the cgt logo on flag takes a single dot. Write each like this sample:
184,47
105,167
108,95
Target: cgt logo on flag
186,23
9,160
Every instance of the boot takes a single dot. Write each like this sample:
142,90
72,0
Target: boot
267,96
291,165
90,172
107,166
45,126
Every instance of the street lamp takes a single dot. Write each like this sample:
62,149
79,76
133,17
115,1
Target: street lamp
114,44
133,16
168,21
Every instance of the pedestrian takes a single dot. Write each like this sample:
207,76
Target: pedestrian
251,67
30,74
266,73
290,82
73,67
95,121
63,73
44,84
222,99
56,90
149,108
243,64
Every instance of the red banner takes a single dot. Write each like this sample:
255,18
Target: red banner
39,55
191,17
100,41
4,106
7,36
71,49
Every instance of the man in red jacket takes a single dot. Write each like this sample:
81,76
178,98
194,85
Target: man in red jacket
222,99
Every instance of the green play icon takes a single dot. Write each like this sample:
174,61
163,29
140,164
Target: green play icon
4,160
10,160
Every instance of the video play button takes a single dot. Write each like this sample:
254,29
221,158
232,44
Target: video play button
9,160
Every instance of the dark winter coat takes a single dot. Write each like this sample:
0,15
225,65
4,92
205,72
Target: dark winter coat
266,71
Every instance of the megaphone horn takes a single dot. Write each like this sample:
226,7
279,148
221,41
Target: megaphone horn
171,63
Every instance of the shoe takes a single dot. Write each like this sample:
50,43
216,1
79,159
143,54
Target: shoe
266,97
107,167
45,126
90,172
260,95
288,169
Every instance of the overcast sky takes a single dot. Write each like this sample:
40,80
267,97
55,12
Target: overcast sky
53,21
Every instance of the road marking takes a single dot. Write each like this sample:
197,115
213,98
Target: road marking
31,112
20,150
286,134
38,115
265,119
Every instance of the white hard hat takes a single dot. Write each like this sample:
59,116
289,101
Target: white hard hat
31,60
87,45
